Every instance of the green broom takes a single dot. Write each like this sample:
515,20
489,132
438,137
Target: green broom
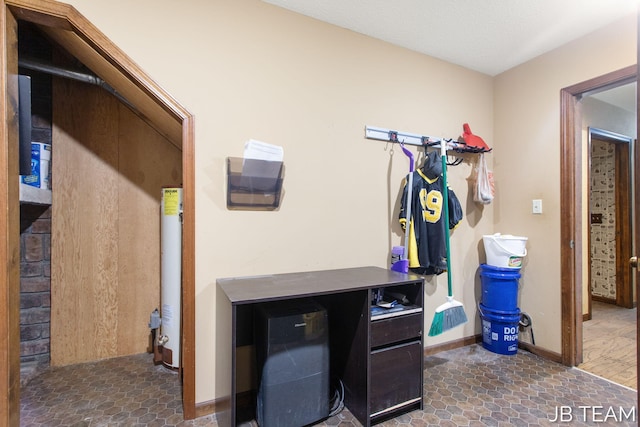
451,313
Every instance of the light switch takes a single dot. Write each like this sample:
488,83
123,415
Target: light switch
537,206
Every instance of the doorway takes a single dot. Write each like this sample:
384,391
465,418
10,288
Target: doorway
574,271
63,24
609,217
609,341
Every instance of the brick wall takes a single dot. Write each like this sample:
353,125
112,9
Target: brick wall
35,283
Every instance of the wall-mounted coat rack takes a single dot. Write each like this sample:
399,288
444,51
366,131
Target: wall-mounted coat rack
382,134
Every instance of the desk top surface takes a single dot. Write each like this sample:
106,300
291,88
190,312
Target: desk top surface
251,289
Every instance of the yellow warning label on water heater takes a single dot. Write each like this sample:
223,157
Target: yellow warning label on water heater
171,198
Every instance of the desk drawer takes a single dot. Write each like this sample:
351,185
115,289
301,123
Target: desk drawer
396,376
396,329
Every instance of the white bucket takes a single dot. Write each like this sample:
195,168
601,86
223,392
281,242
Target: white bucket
505,250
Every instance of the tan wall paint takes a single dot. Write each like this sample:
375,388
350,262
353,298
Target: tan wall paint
250,70
527,158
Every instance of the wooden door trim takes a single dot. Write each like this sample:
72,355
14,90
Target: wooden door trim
571,207
624,289
636,223
52,14
188,269
9,229
636,212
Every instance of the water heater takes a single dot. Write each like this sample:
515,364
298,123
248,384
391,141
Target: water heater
171,275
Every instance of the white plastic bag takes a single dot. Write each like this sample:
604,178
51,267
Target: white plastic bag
483,188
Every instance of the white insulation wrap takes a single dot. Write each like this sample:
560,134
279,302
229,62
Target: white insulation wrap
171,274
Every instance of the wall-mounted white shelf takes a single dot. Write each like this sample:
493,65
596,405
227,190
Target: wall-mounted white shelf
34,195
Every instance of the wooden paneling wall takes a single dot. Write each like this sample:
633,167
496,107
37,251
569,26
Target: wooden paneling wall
108,168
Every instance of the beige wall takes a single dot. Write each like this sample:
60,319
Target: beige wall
599,114
250,70
527,158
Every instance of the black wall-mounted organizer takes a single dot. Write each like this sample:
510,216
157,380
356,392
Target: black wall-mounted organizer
254,184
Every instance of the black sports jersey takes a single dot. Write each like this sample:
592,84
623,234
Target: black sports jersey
427,250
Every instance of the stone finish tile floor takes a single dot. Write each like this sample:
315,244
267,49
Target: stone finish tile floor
468,386
609,343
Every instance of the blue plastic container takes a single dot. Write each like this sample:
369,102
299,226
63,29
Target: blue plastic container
499,287
500,330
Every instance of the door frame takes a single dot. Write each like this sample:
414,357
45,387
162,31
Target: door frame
571,221
52,14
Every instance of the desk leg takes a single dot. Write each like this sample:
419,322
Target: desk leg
226,339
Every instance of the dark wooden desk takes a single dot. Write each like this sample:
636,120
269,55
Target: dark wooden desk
379,358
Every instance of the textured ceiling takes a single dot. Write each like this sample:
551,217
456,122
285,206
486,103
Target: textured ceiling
490,36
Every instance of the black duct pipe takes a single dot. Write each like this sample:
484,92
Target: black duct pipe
35,65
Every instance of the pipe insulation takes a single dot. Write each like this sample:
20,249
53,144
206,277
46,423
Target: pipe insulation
171,275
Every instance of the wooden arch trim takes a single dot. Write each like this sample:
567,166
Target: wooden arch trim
571,207
64,24
67,27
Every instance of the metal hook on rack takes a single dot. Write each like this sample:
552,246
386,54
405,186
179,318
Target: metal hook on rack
456,162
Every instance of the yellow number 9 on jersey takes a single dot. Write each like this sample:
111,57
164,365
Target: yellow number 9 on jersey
431,205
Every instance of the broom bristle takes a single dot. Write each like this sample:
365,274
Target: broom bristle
436,325
447,316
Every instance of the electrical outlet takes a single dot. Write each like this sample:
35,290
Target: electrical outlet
537,206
